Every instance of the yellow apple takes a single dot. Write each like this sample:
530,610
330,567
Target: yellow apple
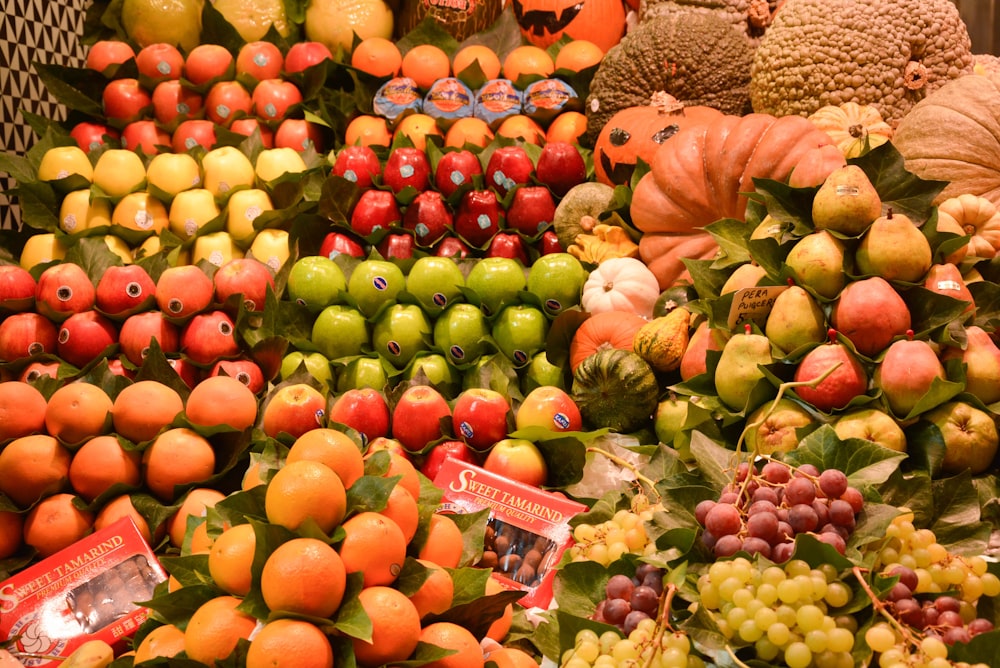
217,248
274,162
173,172
226,168
77,212
119,171
60,162
190,211
152,245
140,211
270,246
118,246
242,209
42,248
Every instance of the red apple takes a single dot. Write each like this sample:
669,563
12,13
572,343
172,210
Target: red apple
227,100
363,409
84,336
481,417
390,445
184,290
407,166
208,337
299,134
185,370
125,290
531,210
206,62
173,102
375,210
117,367
107,52
245,276
518,459
398,246
549,243
91,136
549,407
452,247
416,418
64,289
139,330
303,55
560,167
160,61
477,218
17,289
193,132
455,169
357,163
259,60
26,334
272,98
246,371
36,370
293,409
335,243
505,244
145,136
507,167
125,100
447,450
248,124
428,217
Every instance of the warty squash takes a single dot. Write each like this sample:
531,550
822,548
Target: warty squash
662,341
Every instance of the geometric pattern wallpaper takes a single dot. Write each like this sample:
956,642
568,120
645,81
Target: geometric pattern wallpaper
46,31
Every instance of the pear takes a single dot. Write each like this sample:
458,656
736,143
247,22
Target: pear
816,165
795,320
895,249
906,374
768,228
745,276
847,380
871,424
847,202
981,357
738,370
778,428
946,279
817,261
970,436
870,313
702,339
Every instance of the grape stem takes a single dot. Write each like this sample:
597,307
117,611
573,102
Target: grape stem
881,608
627,465
663,621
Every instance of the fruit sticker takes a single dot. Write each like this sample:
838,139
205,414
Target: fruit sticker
448,100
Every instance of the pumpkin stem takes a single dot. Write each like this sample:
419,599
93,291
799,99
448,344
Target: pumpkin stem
857,130
609,286
666,103
915,75
759,13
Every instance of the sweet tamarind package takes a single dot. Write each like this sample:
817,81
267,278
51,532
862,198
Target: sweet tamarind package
527,529
91,590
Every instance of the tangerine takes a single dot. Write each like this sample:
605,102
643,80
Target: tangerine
178,456
373,545
489,61
56,522
527,60
195,504
222,401
425,64
436,592
468,653
302,491
144,408
377,56
215,628
119,507
100,463
304,576
163,641
33,466
417,127
500,627
367,130
444,543
395,627
568,126
231,557
577,55
402,509
468,130
11,532
523,127
22,410
333,448
290,643
78,411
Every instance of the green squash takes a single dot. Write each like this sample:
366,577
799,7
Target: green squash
616,389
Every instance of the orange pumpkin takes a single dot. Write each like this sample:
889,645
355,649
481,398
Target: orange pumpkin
544,22
636,132
603,331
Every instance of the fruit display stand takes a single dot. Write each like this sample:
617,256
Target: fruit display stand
266,330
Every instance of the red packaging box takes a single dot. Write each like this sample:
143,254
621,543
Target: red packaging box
87,591
527,529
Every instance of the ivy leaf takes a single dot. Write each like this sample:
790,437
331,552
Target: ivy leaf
76,88
898,188
912,492
864,462
957,523
716,463
981,649
930,310
502,37
731,236
708,280
792,206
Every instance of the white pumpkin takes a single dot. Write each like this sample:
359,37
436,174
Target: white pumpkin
621,284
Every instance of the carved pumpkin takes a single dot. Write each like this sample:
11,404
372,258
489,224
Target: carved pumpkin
636,132
544,22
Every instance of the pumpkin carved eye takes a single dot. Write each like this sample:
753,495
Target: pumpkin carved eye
619,137
666,133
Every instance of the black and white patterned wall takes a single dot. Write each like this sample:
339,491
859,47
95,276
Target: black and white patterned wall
46,31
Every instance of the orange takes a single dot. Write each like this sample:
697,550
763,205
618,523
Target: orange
375,546
568,126
399,465
230,559
444,542
201,541
78,411
436,592
402,509
11,532
417,127
395,627
178,456
469,130
195,503
468,653
117,508
56,522
143,408
333,448
501,625
367,130
578,55
290,643
523,127
425,64
305,490
527,60
215,628
222,400
33,466
377,56
100,463
489,61
304,576
511,657
22,410
165,641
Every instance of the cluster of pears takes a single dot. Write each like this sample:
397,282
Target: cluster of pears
846,322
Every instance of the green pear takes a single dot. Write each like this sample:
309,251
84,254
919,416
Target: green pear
846,202
970,436
778,426
745,276
906,374
871,424
817,261
795,320
981,357
739,370
895,249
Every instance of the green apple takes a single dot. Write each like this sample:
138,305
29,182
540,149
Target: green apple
340,331
520,331
497,281
437,371
363,372
316,365
541,372
316,281
435,282
460,333
557,280
374,283
401,331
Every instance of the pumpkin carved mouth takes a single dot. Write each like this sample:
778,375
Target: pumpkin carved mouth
541,22
619,173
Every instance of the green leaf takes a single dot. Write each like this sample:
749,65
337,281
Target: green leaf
731,235
787,205
957,523
370,493
716,463
428,31
982,649
78,89
864,462
930,310
898,188
502,37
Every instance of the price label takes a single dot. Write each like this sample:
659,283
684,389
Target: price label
753,305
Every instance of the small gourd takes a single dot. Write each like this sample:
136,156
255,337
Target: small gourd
978,217
615,389
601,331
851,126
605,242
621,284
662,341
